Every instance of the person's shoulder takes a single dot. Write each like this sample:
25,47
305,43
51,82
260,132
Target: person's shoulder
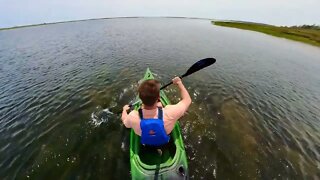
175,111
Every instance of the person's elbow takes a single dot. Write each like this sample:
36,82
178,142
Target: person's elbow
125,122
126,125
187,102
123,118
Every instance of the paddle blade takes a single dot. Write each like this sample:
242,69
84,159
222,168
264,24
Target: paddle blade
199,65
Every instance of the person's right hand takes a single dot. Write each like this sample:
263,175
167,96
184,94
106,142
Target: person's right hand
176,80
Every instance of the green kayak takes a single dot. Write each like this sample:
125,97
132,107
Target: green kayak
146,163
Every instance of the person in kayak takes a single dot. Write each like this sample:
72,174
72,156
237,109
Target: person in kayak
153,122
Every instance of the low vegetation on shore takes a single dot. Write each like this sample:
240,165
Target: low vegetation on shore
306,33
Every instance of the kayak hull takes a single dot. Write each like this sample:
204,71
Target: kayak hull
171,163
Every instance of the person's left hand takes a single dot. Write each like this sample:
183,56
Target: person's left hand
126,107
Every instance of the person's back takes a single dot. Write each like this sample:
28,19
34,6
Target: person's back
153,122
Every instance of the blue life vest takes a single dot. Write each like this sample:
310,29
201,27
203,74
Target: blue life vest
152,130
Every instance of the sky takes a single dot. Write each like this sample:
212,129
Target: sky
276,12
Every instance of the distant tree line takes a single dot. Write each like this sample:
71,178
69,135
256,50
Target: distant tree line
307,26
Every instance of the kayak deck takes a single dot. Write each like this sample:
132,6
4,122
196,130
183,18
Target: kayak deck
148,163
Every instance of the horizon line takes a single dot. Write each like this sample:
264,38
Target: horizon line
78,20
120,17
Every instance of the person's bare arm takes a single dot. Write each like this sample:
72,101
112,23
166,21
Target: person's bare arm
185,97
125,115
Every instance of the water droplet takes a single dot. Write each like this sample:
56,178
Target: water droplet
122,146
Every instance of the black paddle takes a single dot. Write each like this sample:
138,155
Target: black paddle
194,68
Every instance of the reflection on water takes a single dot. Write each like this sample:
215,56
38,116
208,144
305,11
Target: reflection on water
255,113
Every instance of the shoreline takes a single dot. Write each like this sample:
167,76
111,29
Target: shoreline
298,33
306,35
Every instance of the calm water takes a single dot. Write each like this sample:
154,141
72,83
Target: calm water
255,113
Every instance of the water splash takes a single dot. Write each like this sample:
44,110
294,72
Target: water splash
100,116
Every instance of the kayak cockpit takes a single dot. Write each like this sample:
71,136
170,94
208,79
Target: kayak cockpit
157,155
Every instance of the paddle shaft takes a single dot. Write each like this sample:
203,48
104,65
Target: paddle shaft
170,83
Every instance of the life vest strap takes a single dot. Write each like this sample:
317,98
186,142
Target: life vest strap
160,113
